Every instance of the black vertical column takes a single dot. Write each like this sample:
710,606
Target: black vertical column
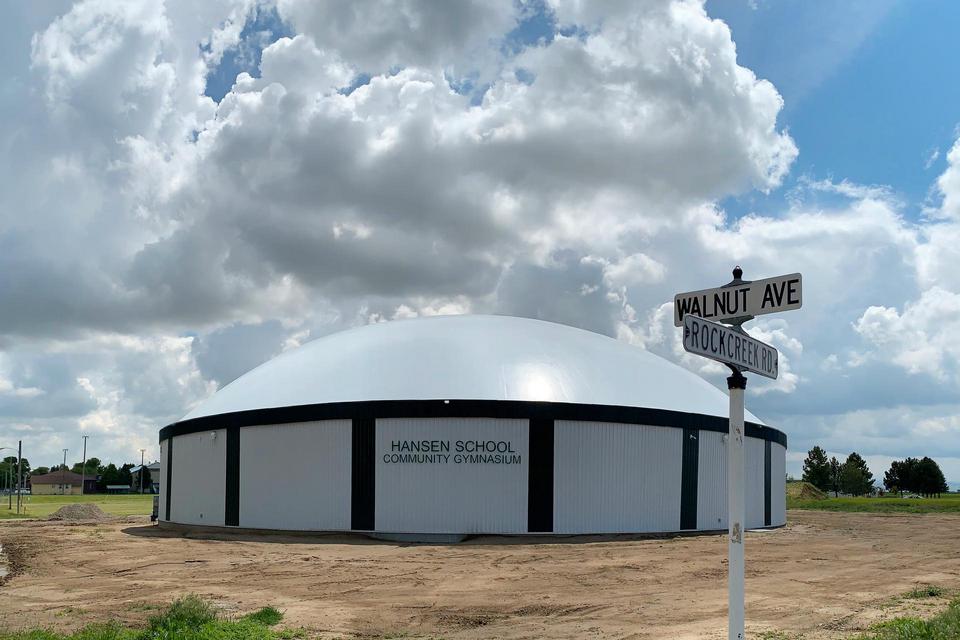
540,478
690,467
231,508
766,484
169,475
363,486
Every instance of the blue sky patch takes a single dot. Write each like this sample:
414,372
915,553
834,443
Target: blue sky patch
869,88
263,28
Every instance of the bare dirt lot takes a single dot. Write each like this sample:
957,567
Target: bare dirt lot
825,575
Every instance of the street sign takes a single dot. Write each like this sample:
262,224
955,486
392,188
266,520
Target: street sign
725,344
740,300
735,303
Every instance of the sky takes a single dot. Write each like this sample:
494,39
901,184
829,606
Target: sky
188,190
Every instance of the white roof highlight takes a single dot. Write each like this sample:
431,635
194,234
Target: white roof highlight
469,357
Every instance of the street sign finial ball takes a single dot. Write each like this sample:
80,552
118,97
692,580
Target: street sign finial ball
737,272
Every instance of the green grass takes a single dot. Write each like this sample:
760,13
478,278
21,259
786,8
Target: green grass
188,618
942,627
947,503
43,506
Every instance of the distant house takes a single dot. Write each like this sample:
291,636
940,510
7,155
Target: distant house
151,480
61,482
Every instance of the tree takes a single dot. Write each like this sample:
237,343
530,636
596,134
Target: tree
910,474
855,476
930,479
125,476
92,467
146,482
109,475
41,471
24,463
816,469
835,468
893,477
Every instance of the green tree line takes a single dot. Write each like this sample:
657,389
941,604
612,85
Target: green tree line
853,477
108,474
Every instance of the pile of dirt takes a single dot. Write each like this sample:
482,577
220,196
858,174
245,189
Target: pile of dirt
805,491
80,511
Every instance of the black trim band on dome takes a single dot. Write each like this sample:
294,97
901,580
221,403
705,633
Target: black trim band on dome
540,445
363,479
511,409
767,479
169,475
231,507
690,465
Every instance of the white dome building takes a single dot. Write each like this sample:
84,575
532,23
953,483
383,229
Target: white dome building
463,425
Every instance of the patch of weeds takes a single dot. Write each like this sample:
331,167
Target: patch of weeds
188,618
188,612
941,627
925,591
267,616
773,635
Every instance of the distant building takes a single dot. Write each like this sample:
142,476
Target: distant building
61,482
151,482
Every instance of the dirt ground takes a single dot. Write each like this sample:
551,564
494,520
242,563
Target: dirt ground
825,575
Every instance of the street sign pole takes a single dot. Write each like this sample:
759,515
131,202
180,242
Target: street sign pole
737,384
732,304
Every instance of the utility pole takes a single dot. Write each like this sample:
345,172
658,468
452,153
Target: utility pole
141,470
63,472
83,469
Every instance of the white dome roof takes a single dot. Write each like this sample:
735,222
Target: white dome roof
469,357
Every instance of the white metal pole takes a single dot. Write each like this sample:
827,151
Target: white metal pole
19,471
735,505
83,469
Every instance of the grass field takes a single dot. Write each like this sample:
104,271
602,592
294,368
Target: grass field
946,503
43,506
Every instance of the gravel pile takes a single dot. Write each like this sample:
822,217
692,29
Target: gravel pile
79,511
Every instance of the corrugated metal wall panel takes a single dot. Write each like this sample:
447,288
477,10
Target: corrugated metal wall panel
754,479
712,482
451,497
616,478
197,485
296,476
778,484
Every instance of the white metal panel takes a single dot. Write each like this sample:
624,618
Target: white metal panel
452,495
469,357
778,484
712,482
199,476
611,478
754,478
162,512
296,476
